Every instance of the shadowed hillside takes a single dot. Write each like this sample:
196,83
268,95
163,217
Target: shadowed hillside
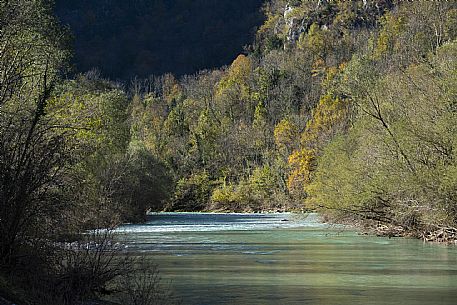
127,38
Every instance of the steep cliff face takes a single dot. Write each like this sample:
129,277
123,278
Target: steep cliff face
127,38
293,18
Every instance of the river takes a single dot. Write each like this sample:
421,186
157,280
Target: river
290,259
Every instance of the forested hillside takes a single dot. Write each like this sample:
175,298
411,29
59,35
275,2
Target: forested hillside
344,107
146,37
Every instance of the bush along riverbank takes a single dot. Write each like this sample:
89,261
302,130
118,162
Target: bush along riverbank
446,235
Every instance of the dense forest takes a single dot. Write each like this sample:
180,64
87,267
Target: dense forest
146,37
344,107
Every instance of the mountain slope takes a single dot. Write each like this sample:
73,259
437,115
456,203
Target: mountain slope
143,37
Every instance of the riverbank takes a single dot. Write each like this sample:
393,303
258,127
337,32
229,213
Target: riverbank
444,234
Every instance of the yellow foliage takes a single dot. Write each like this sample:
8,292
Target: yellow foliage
240,69
391,29
269,24
302,163
285,134
232,197
327,116
224,194
171,89
328,113
331,73
318,67
236,80
315,41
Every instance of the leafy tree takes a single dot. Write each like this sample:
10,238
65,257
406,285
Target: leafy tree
33,151
192,193
396,164
234,88
285,134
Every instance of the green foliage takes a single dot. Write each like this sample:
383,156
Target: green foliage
377,114
33,147
280,107
65,166
252,194
192,193
260,126
144,186
234,87
206,135
315,41
358,118
264,130
230,198
387,43
397,163
96,110
273,43
262,182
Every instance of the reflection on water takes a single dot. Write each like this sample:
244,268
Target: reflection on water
290,259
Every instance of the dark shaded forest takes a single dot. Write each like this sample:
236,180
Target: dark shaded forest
146,37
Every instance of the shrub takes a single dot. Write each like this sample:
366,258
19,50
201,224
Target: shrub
192,193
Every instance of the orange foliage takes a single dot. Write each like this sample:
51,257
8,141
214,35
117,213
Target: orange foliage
302,162
328,117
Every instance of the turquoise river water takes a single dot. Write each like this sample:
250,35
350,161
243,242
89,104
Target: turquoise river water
290,259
